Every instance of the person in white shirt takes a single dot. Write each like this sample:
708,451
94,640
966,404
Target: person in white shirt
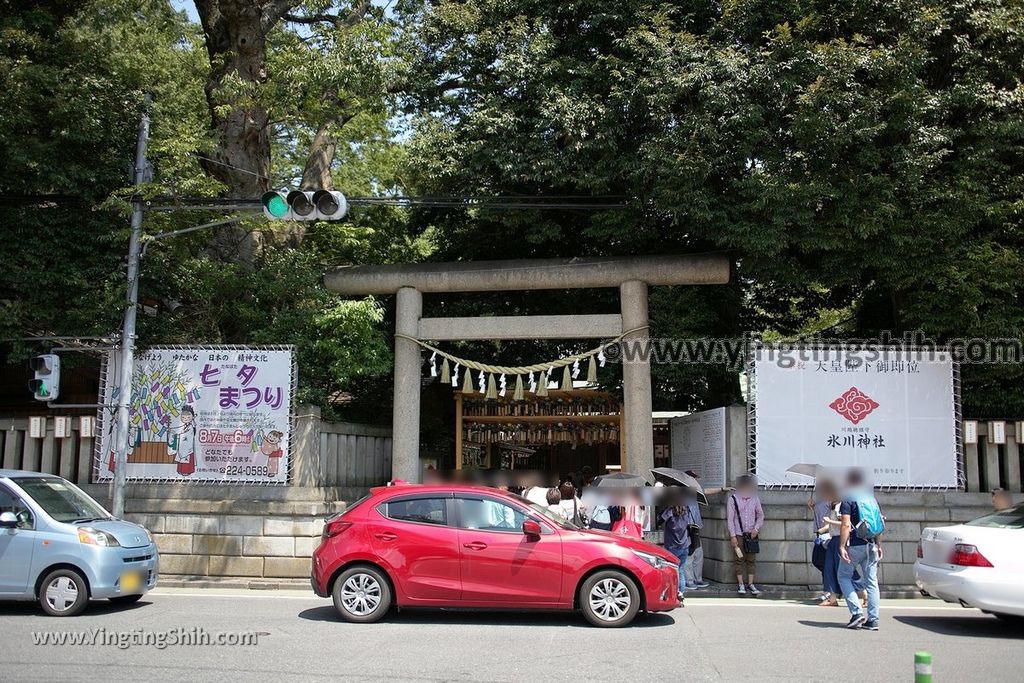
570,505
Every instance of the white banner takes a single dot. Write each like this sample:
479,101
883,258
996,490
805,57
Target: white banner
204,414
891,412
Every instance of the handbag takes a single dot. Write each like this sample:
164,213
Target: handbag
818,556
751,546
694,531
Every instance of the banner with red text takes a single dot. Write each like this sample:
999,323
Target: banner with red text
892,412
209,414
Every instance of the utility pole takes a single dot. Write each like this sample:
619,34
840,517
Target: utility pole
128,330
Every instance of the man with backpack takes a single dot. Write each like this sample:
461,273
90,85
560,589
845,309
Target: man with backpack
859,548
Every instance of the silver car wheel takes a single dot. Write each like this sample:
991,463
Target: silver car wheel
61,594
360,594
609,599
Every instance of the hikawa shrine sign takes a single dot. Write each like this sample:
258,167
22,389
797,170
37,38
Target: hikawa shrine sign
891,411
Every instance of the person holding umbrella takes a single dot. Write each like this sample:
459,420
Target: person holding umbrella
677,539
695,560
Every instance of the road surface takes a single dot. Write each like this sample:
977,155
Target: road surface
300,638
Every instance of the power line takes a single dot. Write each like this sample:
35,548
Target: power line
167,204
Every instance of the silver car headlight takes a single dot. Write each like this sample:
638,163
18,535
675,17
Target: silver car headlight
653,560
91,536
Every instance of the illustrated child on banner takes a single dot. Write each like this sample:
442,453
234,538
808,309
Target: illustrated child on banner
181,442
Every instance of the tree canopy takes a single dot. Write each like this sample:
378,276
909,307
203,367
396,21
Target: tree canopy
863,164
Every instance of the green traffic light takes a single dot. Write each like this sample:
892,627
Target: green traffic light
275,205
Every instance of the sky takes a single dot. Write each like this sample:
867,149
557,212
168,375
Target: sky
189,8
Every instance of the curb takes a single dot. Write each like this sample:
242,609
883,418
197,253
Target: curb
240,582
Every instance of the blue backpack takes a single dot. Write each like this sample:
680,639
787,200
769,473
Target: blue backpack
871,524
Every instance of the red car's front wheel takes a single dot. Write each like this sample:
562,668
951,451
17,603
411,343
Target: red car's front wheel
609,599
362,595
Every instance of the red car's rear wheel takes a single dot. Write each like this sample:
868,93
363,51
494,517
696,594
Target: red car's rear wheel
362,595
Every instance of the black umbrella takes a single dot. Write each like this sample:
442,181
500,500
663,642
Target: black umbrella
620,480
673,477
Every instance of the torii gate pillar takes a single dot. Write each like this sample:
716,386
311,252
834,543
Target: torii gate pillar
638,424
405,429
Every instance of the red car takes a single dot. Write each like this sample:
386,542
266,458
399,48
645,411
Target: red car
469,547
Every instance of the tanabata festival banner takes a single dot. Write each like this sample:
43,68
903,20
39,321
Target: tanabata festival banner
204,414
890,412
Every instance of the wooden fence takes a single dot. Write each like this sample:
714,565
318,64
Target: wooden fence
324,454
69,457
351,455
354,455
991,465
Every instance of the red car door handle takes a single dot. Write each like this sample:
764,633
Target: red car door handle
475,545
386,536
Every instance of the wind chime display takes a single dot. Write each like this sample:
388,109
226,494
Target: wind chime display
585,418
499,390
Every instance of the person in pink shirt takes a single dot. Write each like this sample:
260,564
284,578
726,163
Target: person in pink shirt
745,518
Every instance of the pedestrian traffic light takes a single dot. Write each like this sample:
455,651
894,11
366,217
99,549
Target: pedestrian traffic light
304,205
46,384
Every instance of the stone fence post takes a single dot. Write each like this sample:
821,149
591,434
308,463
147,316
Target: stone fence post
306,463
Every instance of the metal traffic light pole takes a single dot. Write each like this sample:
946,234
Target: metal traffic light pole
131,306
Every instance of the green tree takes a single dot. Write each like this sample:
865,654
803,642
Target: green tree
75,74
863,162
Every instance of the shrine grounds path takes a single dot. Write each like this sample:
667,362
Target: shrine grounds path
712,639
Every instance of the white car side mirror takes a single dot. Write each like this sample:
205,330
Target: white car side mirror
8,520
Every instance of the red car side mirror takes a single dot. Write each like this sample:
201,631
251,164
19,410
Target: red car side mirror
531,528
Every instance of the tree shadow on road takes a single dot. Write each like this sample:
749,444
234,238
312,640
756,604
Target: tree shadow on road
487,618
976,626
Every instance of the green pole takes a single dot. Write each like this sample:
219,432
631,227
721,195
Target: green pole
922,667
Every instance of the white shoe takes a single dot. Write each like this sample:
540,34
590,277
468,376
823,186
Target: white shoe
753,590
741,590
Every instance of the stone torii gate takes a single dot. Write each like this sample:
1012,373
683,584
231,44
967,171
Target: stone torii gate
631,276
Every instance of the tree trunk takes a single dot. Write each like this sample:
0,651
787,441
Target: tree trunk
236,43
316,175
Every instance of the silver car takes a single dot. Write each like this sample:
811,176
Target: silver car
60,547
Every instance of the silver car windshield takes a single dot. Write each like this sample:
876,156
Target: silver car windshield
1011,518
61,500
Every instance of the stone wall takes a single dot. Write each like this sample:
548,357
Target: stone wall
232,531
786,536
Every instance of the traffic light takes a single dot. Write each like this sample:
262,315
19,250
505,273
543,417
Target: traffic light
330,205
304,205
46,385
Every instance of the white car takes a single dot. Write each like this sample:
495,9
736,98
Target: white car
977,564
